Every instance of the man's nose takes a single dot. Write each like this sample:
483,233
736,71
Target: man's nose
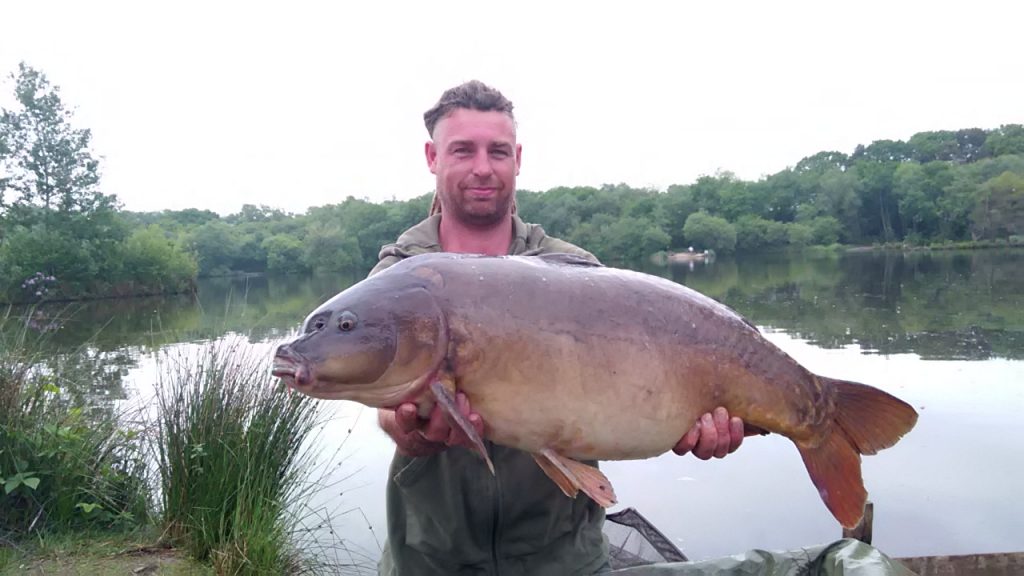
482,164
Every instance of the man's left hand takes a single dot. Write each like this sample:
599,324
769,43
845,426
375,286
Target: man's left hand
715,434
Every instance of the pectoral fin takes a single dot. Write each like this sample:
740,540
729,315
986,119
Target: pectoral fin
446,400
572,476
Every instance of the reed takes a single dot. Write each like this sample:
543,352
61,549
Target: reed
233,459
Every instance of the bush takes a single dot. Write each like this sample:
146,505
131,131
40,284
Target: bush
284,254
703,231
155,264
825,230
330,249
147,262
754,233
64,465
27,251
800,234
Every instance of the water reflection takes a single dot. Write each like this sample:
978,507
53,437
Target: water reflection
939,305
943,330
259,307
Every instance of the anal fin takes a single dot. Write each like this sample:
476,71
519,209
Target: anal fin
569,485
572,476
446,401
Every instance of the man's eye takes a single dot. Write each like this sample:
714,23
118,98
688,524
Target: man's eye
500,153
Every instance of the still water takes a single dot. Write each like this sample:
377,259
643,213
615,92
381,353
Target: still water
942,330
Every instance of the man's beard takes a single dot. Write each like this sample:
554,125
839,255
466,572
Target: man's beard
463,207
485,219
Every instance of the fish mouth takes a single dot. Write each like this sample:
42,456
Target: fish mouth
293,369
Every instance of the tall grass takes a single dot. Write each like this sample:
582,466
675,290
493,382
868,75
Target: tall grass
232,458
65,463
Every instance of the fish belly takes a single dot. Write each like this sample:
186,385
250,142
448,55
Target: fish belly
613,403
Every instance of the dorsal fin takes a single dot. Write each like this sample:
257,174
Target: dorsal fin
567,258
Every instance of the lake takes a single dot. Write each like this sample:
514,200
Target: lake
942,330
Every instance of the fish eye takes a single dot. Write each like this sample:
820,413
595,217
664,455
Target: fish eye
347,321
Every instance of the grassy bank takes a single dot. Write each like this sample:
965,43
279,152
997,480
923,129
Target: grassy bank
1011,242
98,553
216,470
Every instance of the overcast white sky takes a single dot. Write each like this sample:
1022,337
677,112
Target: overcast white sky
298,104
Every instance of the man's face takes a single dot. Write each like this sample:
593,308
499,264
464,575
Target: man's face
476,160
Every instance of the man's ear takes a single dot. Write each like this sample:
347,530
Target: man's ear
519,157
431,153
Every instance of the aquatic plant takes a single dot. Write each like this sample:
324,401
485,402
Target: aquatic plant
233,459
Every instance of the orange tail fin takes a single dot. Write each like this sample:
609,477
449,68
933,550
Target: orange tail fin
867,420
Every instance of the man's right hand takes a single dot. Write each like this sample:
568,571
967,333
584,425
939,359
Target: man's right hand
417,436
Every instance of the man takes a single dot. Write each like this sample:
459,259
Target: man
446,513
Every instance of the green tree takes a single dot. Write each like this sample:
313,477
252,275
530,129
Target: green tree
327,248
284,254
879,214
837,198
938,145
823,162
153,262
737,198
1008,139
53,218
784,192
972,144
825,230
999,207
591,235
559,209
704,231
51,174
253,213
216,245
678,204
754,233
955,204
707,191
630,239
800,234
912,189
881,151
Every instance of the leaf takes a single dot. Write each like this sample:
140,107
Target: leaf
51,388
87,507
12,483
32,483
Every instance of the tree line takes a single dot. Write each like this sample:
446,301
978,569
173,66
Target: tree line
62,237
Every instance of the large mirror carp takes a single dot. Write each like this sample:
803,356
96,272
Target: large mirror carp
570,360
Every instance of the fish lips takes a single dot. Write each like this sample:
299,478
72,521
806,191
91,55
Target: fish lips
293,368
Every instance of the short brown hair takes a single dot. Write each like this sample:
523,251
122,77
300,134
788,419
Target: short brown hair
474,95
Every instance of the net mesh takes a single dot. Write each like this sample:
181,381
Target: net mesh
634,541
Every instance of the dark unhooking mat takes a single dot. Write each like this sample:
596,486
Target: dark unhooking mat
637,548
